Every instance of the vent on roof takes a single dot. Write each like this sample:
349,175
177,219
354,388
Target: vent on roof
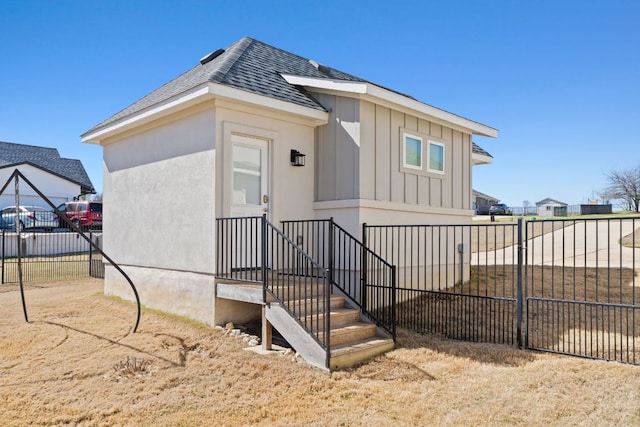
320,67
210,57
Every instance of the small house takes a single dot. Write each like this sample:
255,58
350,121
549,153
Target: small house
60,179
254,131
550,207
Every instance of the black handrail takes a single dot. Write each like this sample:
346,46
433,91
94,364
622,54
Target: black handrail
365,278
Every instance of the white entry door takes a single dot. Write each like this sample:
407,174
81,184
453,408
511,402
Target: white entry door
250,177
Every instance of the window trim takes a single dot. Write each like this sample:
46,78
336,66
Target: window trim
442,146
406,165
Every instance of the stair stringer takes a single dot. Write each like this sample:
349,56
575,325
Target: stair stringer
299,338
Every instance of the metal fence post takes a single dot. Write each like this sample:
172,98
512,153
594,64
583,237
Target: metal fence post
91,255
363,267
394,319
3,254
332,248
520,304
263,250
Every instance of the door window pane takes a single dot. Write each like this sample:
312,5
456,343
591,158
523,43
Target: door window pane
247,179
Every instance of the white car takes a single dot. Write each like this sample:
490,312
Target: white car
29,217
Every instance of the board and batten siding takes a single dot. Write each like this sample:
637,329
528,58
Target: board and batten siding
359,156
338,150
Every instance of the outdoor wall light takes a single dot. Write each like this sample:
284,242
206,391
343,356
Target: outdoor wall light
297,158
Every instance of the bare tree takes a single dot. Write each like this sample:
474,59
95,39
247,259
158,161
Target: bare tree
625,186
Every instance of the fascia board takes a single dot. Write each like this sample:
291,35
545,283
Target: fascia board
481,159
184,100
378,95
202,93
459,121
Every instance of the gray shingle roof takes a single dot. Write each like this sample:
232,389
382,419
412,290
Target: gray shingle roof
248,65
47,159
476,149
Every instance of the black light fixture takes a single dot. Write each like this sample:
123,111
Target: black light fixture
297,158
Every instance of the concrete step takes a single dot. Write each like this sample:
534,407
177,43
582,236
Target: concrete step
346,355
252,292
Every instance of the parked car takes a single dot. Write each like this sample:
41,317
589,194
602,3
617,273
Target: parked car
84,214
482,210
30,217
499,209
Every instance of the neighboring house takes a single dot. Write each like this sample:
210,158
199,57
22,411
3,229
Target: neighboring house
482,202
57,178
551,207
224,139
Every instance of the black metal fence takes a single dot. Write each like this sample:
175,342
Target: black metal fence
565,286
48,256
581,288
440,289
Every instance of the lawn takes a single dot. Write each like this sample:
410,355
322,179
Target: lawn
77,363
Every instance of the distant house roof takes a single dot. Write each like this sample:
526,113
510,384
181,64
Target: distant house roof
549,201
47,159
258,68
491,199
479,150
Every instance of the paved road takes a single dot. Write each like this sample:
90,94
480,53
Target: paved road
583,244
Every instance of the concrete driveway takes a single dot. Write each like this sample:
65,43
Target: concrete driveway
580,244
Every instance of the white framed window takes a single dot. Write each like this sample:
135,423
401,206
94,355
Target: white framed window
412,151
435,152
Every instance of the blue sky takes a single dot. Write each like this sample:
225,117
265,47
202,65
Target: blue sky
560,80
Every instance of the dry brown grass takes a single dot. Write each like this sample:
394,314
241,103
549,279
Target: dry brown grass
74,365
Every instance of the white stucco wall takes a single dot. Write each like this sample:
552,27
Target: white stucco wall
57,189
166,182
159,196
159,210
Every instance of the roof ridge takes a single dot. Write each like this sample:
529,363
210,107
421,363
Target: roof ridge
40,147
229,58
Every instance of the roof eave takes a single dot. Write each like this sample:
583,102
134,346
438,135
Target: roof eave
84,188
172,105
380,95
197,95
481,159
